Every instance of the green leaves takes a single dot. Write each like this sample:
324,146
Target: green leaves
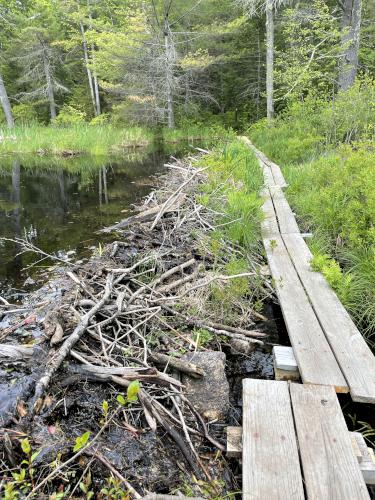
81,441
25,445
121,400
133,390
131,393
105,407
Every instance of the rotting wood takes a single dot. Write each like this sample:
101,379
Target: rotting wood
178,364
330,467
271,467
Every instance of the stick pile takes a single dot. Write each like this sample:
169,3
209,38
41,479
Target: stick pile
132,311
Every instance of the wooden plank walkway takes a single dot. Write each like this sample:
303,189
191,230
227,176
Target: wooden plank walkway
314,315
278,420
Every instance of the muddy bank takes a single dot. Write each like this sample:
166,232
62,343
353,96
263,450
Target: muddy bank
131,365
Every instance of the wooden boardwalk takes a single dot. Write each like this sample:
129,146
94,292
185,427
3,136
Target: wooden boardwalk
295,444
328,347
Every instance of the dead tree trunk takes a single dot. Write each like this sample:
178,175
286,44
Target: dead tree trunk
351,27
88,70
49,82
6,104
269,62
169,61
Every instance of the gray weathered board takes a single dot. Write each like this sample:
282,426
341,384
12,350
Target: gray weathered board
270,456
330,467
317,364
351,350
363,454
271,431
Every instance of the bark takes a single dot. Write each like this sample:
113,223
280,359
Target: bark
49,81
6,104
269,62
169,58
88,70
351,26
97,96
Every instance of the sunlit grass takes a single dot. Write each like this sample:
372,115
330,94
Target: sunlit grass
95,140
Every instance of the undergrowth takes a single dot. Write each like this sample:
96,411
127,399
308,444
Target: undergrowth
327,154
232,192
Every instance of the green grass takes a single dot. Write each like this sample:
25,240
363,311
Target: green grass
96,140
326,151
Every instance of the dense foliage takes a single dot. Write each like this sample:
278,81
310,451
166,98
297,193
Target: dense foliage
169,62
327,154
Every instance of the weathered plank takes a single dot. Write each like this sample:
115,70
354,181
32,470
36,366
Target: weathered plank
284,358
316,362
270,467
277,174
330,467
285,217
269,224
234,442
350,348
366,462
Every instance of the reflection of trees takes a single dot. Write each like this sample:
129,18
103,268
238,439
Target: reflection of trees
63,196
103,189
15,265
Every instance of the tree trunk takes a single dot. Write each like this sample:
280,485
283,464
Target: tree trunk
351,26
269,62
88,70
6,104
169,59
97,96
50,93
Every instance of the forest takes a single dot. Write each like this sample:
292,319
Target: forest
143,146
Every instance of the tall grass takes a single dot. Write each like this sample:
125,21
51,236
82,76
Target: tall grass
326,151
95,140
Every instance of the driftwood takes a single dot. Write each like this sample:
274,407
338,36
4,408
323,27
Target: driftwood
16,352
180,365
56,361
145,215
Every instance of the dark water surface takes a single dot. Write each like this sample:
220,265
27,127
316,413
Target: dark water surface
59,204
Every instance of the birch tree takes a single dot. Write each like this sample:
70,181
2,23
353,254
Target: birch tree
5,104
351,28
252,8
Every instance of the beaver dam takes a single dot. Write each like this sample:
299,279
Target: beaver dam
120,375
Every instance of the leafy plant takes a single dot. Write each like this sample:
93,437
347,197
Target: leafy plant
81,441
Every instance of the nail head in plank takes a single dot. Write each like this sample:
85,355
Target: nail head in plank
330,467
353,355
316,362
270,461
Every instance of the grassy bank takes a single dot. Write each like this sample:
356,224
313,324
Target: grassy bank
326,151
95,140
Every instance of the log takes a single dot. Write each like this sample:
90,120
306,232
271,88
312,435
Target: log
183,366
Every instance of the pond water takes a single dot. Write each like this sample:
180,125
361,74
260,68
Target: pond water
59,204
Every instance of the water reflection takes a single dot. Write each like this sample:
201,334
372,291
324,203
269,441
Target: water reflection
60,204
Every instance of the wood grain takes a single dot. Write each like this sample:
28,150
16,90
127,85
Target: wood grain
316,362
350,348
284,214
330,467
271,468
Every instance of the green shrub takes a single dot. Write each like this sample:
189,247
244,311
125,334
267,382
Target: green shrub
70,116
